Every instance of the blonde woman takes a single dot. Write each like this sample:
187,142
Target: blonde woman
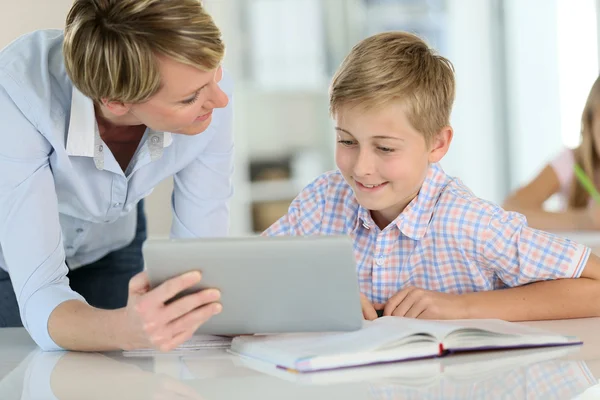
578,210
91,120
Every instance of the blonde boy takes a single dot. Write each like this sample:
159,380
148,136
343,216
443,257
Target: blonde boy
425,245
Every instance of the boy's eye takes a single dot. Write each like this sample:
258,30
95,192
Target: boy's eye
386,149
346,142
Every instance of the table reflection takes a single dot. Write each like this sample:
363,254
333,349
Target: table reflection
218,375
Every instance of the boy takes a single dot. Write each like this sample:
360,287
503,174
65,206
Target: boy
425,246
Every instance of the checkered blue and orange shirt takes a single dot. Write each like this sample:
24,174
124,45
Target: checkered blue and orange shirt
447,239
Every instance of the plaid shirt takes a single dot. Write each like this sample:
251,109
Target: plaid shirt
447,239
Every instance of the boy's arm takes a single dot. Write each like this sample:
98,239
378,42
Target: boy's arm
281,227
536,265
554,299
558,299
305,212
538,268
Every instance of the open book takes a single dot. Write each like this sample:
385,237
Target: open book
391,339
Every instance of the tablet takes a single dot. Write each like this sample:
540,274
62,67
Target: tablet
267,284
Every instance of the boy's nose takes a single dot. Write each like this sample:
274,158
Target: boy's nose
363,164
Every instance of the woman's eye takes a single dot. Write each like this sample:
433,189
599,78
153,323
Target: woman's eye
192,100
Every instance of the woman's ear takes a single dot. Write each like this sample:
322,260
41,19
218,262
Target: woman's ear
116,107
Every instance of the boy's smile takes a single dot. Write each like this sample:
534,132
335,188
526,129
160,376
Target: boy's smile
370,188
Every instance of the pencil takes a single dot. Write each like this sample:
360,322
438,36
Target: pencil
587,183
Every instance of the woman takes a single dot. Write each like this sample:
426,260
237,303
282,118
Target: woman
91,120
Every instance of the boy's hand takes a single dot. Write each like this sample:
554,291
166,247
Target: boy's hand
369,310
413,302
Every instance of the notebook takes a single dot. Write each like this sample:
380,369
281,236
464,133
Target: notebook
391,339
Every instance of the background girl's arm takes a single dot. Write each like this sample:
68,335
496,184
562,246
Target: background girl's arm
529,200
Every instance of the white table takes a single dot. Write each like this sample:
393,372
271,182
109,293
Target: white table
27,373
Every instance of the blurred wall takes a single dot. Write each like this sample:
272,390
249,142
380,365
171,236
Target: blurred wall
20,17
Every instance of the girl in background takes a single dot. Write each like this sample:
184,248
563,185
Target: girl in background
579,211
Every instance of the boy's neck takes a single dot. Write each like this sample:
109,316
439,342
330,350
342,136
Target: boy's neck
381,221
385,217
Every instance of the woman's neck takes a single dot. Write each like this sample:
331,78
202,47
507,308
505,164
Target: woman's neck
114,128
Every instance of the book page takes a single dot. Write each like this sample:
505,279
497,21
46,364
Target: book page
437,329
384,333
497,326
375,335
477,333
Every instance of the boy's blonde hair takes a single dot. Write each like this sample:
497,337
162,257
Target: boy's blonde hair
586,155
397,66
110,46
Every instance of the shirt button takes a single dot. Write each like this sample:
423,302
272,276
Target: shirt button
154,140
116,205
380,260
100,148
79,230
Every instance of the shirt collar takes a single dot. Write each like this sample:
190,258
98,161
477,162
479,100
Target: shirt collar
363,218
83,128
415,218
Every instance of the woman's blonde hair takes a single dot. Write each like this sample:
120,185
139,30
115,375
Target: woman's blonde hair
586,155
110,46
397,66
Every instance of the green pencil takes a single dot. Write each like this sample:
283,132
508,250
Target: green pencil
587,183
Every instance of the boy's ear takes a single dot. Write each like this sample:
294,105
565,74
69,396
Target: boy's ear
116,107
440,144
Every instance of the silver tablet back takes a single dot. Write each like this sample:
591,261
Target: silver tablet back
268,284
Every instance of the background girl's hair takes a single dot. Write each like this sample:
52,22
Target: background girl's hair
586,155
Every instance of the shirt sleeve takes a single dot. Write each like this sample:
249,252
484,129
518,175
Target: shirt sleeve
305,214
519,254
563,166
30,232
202,190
